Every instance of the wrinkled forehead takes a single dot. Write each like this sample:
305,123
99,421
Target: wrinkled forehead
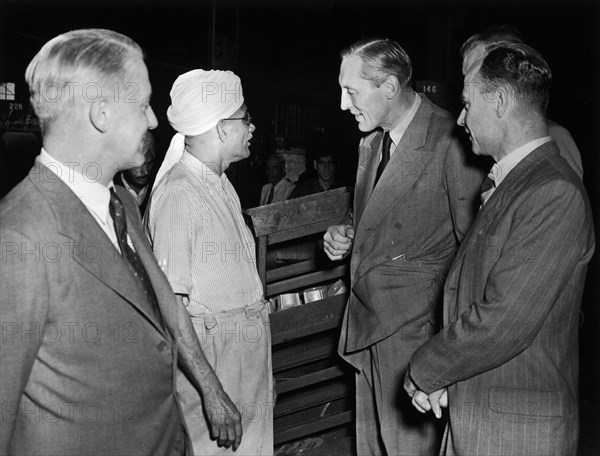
350,71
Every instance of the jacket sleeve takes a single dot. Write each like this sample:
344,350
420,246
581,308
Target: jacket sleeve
547,238
24,294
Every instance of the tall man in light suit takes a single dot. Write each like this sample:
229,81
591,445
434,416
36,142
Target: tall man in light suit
91,330
508,353
408,219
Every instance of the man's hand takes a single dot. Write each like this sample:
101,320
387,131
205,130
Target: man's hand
438,400
423,402
338,241
224,419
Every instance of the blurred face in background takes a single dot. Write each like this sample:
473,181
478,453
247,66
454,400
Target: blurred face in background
326,167
275,170
140,175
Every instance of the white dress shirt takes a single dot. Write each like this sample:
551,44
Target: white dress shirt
507,163
94,196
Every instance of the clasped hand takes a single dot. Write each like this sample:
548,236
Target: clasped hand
424,402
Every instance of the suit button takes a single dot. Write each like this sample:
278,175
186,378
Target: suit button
161,346
398,225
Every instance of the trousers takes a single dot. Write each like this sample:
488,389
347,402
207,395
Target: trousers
237,344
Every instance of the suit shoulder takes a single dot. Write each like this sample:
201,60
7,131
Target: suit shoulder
553,176
23,208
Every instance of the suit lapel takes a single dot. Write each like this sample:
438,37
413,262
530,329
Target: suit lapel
90,247
503,195
162,288
407,164
365,176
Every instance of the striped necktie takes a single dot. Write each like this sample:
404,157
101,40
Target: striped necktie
132,260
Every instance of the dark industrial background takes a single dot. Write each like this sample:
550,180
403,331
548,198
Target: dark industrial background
287,55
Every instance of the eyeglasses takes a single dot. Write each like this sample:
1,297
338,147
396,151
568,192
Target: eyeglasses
247,119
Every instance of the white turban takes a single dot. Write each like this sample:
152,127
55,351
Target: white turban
199,99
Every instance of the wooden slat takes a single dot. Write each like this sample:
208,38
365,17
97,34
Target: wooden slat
317,226
306,280
337,447
309,379
311,398
312,427
291,270
307,319
306,210
302,358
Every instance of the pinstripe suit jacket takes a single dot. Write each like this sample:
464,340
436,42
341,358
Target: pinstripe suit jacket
87,368
407,228
509,349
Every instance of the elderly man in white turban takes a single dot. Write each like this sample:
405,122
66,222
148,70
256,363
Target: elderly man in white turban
208,254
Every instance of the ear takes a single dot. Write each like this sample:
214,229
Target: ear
392,86
502,101
222,131
99,113
315,164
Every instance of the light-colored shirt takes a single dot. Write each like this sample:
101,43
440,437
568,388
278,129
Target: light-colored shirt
282,191
507,163
398,131
94,195
201,240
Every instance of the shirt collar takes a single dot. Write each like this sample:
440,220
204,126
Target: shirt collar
94,195
506,164
203,172
398,131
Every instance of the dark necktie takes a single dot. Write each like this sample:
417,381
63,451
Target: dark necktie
486,186
132,260
385,155
271,193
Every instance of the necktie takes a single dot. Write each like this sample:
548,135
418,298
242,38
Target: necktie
487,187
132,260
385,155
271,193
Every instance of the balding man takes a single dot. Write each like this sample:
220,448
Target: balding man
91,331
208,253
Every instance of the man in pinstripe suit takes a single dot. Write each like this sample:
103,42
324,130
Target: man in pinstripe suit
506,361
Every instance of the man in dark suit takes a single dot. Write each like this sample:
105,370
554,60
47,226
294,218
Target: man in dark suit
91,331
408,219
508,353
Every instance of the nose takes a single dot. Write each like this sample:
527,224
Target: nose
345,102
152,120
251,127
461,119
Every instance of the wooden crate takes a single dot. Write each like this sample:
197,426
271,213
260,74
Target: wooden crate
315,387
